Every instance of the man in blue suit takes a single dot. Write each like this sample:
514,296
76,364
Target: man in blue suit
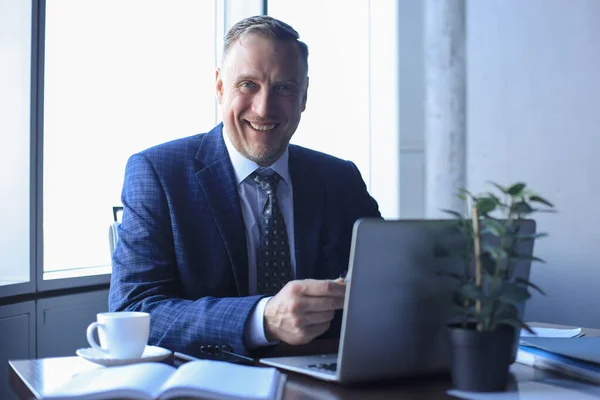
233,239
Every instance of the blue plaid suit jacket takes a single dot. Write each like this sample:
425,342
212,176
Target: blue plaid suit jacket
182,256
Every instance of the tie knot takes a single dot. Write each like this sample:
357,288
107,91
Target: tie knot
267,183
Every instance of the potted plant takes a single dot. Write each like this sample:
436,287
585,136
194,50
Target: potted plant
490,294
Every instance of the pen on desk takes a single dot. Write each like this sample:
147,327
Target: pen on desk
187,357
249,359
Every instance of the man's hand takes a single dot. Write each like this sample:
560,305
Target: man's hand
303,310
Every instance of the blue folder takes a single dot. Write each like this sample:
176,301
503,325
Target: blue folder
572,367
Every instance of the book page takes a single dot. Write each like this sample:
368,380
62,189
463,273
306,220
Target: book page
223,380
136,381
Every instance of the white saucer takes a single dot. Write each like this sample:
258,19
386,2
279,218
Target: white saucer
151,353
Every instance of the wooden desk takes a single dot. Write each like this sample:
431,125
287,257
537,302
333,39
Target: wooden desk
30,379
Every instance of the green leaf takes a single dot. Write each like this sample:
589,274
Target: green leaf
464,191
494,227
526,327
533,236
494,285
487,307
522,208
545,210
462,196
485,205
462,296
488,263
496,253
492,197
524,281
513,294
523,257
505,311
461,301
507,314
500,188
516,322
541,200
463,311
471,291
516,189
454,213
495,198
466,226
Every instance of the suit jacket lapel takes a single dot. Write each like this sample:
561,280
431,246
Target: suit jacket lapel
308,214
217,180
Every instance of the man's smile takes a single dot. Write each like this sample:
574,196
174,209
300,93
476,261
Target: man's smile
261,126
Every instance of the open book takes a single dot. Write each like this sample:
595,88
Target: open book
202,379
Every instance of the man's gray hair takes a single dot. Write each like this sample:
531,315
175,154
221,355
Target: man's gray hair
268,27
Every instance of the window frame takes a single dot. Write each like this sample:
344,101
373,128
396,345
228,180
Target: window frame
37,108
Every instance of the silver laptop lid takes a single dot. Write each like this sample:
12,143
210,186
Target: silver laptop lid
397,305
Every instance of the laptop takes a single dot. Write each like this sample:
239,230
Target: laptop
397,304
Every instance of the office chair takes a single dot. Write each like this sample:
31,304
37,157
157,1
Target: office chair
113,231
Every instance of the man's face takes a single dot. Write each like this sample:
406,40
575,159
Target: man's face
262,89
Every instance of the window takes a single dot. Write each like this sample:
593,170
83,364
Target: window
15,67
336,120
120,76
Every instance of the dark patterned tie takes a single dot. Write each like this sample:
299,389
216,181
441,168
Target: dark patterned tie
273,265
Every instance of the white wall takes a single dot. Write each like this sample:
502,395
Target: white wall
533,105
411,108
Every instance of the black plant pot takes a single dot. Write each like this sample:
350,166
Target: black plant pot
481,360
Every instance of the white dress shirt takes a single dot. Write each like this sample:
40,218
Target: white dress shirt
252,201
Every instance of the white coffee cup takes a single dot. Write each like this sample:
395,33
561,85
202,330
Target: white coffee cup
122,334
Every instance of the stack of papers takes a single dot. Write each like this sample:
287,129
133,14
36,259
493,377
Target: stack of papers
585,348
578,357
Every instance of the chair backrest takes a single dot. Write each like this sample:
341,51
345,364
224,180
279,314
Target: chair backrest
113,229
113,236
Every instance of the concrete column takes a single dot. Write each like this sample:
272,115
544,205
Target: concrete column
445,105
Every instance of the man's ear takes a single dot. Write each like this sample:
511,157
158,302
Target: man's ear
305,96
219,85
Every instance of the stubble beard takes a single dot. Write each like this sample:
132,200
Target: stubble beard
261,155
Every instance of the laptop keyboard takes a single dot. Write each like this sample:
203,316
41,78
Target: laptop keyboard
324,366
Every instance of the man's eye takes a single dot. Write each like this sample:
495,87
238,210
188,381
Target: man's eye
247,86
286,89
